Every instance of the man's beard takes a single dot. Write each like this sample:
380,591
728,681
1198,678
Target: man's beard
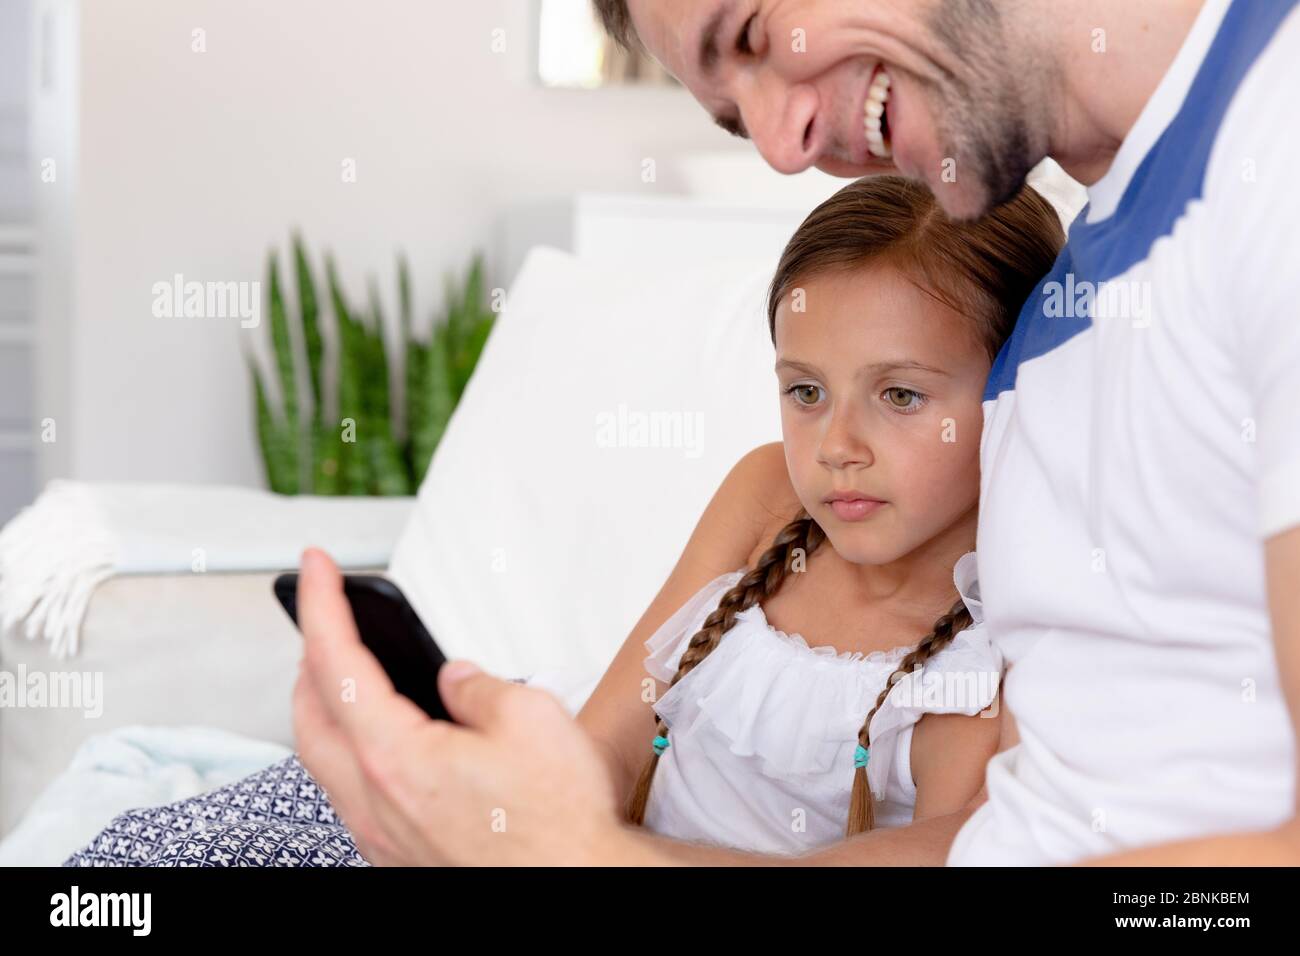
981,114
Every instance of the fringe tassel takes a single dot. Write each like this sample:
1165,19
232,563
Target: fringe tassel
53,555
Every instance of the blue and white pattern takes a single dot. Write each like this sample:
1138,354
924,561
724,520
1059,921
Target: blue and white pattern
278,816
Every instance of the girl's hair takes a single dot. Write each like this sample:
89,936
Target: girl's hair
984,270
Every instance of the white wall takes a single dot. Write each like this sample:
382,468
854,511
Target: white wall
15,185
193,163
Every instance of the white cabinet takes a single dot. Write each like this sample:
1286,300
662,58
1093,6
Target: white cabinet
18,427
660,232
18,430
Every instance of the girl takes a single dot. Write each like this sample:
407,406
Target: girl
820,576
768,723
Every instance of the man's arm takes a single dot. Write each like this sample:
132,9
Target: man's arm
515,781
1281,846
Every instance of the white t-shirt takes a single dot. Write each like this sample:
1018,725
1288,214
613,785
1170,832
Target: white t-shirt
1137,450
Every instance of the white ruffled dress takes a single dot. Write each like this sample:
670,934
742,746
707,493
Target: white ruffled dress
763,731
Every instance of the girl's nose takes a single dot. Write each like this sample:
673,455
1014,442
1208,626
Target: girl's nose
844,443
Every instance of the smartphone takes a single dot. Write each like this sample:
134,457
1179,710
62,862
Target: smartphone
391,630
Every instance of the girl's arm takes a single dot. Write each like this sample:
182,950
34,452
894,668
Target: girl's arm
752,498
949,755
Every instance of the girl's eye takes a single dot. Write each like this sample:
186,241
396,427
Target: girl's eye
742,43
904,399
805,394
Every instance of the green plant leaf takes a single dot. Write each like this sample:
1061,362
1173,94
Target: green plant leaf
377,460
417,402
388,475
431,403
286,434
377,403
353,473
309,308
282,345
277,442
404,298
475,324
327,452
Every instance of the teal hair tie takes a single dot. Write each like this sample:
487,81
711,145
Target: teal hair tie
861,756
660,744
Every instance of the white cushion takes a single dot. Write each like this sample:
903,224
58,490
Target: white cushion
214,650
546,525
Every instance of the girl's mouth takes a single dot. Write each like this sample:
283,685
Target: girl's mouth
876,114
855,509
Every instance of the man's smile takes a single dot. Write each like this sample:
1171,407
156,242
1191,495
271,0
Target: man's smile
876,114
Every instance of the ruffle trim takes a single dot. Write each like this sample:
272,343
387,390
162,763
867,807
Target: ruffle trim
822,695
963,678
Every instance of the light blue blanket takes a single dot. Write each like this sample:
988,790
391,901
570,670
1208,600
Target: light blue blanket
127,768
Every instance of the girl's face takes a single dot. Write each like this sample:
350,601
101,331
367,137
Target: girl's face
881,389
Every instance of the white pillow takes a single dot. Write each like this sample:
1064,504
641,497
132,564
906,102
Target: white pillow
548,521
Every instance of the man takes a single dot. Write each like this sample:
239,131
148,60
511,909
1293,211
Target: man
1139,532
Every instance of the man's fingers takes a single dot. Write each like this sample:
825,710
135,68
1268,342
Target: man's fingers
352,686
321,603
478,700
325,752
323,748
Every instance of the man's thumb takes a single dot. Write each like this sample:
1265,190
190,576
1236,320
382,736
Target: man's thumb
460,685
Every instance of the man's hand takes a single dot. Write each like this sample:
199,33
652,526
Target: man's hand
514,781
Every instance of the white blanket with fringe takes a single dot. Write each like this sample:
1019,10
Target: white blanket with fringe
55,552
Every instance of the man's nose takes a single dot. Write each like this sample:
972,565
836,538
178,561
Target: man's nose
783,122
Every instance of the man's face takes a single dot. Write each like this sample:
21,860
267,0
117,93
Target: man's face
801,79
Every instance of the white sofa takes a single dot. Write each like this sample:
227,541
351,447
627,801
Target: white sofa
212,650
543,530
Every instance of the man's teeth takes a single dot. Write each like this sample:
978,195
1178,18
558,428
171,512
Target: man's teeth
877,97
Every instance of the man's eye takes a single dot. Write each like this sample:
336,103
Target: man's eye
904,399
742,44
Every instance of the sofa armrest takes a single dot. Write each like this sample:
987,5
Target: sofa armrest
215,650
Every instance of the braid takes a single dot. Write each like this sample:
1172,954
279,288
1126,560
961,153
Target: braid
757,585
861,812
